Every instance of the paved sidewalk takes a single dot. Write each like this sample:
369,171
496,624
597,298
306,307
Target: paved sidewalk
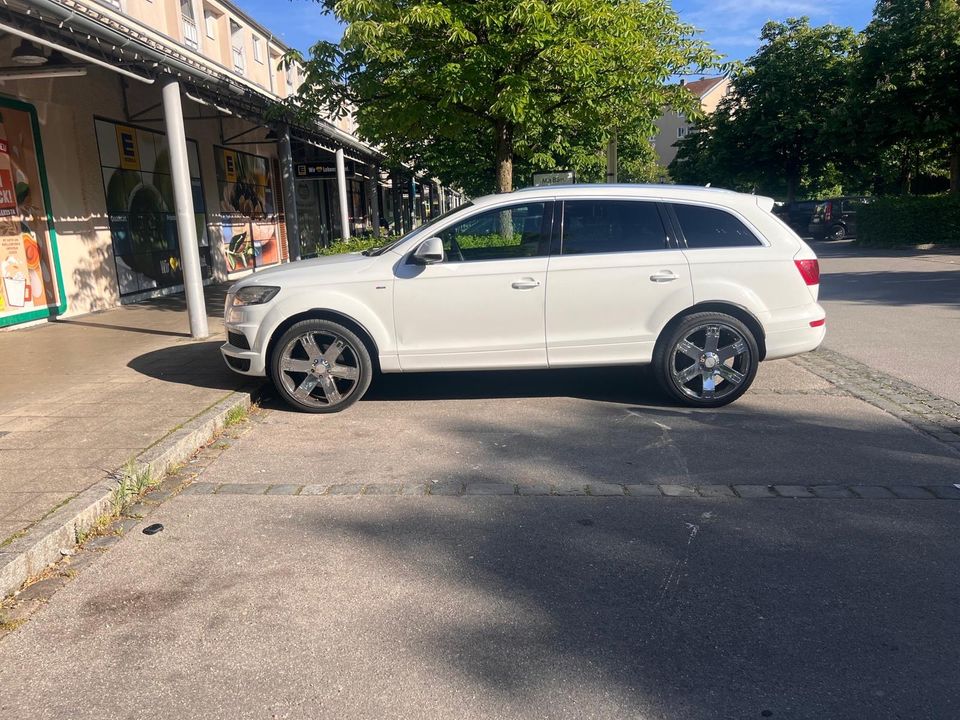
81,396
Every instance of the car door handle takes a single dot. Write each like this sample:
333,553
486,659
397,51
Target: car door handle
525,284
664,276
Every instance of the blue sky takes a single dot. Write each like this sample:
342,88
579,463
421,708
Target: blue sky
731,26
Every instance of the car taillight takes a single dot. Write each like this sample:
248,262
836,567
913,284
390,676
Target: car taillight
828,211
810,270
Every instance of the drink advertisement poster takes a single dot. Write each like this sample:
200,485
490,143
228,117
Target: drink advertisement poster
28,260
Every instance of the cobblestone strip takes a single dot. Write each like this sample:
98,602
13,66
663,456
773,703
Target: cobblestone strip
455,488
930,414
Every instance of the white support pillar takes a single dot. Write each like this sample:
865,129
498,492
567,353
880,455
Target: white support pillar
342,192
183,199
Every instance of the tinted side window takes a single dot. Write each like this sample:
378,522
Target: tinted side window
610,226
706,227
519,231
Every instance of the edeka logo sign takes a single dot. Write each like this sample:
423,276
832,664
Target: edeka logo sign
230,165
127,145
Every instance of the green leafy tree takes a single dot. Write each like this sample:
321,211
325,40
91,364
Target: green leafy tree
467,88
774,131
908,87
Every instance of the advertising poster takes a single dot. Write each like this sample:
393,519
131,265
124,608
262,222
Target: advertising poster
135,163
248,214
27,258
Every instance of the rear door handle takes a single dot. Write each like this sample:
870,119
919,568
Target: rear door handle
664,276
525,284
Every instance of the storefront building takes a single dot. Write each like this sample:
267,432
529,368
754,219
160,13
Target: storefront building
141,147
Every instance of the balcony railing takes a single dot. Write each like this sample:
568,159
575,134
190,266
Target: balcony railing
191,37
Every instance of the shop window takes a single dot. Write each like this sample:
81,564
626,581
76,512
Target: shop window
135,166
249,221
29,276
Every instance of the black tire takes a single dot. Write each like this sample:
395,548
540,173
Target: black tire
837,232
678,356
310,380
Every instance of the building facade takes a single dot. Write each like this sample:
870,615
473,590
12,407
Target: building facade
673,126
137,136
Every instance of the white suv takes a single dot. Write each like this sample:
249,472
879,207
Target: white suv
702,283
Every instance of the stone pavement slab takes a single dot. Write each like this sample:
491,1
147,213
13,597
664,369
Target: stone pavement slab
81,396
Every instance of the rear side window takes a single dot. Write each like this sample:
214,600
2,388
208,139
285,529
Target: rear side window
611,226
705,227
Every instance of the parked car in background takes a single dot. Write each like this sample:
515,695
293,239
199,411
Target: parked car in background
797,214
702,284
835,218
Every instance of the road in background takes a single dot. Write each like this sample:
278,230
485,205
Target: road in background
896,311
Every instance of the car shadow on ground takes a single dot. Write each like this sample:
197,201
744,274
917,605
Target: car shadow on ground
625,385
200,364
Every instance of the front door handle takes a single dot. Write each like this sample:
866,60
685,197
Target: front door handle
525,284
664,276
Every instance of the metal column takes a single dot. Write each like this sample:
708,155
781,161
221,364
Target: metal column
183,199
342,192
396,198
288,180
414,210
373,197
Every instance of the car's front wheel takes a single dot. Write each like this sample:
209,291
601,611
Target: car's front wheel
707,360
320,366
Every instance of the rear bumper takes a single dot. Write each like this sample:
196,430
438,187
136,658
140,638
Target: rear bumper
795,334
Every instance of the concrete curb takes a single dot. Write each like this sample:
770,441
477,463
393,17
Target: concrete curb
40,546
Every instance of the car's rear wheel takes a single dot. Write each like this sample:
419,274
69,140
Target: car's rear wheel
320,366
707,360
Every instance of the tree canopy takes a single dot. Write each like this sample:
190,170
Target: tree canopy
774,128
819,108
467,89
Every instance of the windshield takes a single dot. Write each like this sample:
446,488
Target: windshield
373,252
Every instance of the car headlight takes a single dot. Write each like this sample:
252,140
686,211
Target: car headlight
254,295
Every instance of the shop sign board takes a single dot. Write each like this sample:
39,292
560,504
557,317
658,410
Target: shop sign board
554,178
31,286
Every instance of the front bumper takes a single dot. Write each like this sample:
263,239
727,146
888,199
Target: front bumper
243,326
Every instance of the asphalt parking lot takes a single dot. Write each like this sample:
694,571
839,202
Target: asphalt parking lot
537,545
634,605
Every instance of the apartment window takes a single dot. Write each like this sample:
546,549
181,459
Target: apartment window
290,77
191,37
257,50
236,40
681,132
210,23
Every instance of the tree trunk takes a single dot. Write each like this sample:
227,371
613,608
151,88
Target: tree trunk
504,141
955,168
793,182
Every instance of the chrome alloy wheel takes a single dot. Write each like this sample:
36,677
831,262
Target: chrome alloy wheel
319,369
710,362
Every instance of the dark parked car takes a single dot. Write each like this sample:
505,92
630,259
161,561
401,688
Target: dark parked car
797,214
836,218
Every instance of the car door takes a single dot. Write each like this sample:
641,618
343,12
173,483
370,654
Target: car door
616,278
483,305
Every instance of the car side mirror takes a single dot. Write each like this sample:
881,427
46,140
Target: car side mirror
429,252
